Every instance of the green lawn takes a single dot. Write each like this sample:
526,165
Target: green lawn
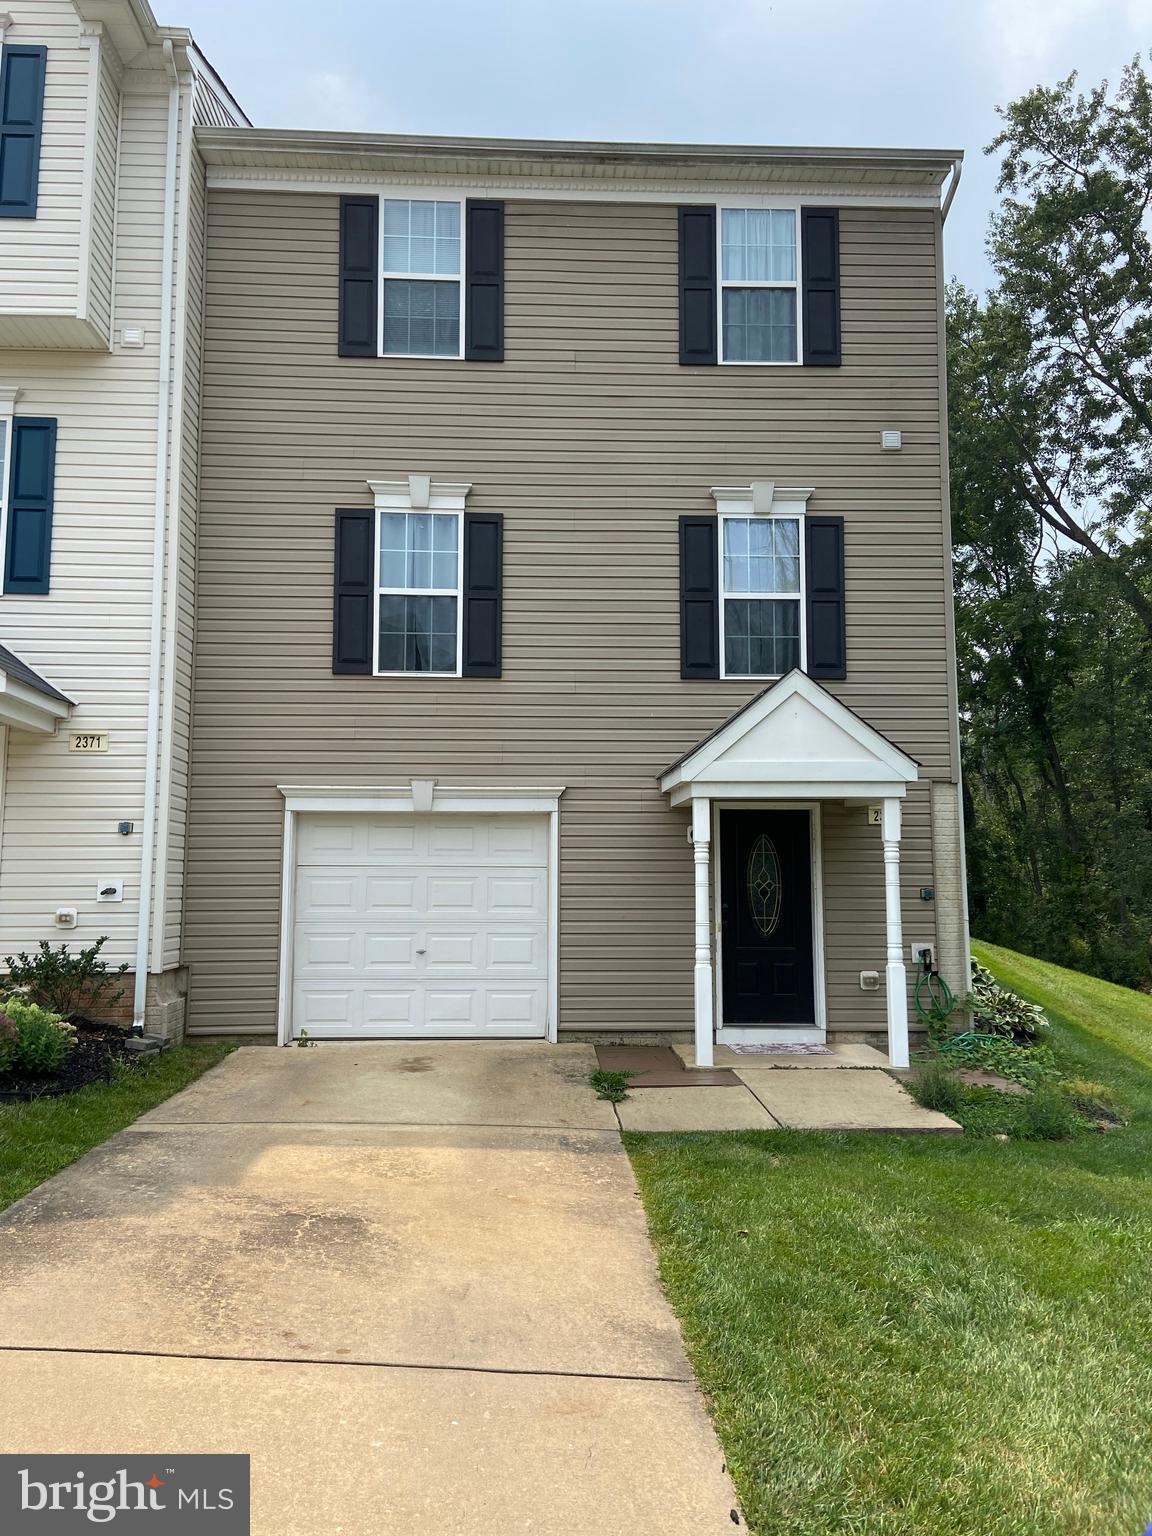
37,1140
910,1336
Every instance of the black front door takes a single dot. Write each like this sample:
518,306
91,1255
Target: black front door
766,917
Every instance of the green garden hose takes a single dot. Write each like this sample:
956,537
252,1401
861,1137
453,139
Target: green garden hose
934,998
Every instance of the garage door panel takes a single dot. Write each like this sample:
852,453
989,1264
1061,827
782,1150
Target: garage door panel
523,951
391,1008
381,839
332,893
454,895
421,925
389,951
516,895
512,1009
321,951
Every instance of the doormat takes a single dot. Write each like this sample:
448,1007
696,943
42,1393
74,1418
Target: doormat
780,1050
658,1066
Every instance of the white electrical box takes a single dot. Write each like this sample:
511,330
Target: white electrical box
110,888
65,917
869,981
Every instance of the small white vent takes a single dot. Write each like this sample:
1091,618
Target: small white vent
891,439
132,336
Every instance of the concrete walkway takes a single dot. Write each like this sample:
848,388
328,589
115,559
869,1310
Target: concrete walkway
845,1090
413,1281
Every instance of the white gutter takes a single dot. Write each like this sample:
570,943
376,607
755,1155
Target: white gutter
957,169
159,545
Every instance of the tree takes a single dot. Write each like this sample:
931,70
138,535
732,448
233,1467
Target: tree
1050,380
1054,372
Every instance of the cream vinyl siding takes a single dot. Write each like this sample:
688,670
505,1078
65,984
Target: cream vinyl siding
102,228
181,589
89,636
39,258
591,440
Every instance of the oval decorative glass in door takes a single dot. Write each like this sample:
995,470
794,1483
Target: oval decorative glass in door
765,890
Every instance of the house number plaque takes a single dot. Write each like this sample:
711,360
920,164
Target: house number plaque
88,741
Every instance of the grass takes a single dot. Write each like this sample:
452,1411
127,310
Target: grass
38,1139
912,1336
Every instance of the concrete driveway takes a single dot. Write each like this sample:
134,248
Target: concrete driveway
412,1280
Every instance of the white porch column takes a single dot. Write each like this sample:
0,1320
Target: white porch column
702,972
895,974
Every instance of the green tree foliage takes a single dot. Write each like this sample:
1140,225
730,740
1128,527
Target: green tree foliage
1050,383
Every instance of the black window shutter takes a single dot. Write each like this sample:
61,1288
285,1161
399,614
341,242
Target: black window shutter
31,479
484,282
699,598
820,264
697,285
359,276
824,557
482,595
22,67
352,604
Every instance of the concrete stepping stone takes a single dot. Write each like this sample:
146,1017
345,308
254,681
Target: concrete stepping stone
845,1101
694,1109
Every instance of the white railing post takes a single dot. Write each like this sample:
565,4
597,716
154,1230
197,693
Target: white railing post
702,970
895,973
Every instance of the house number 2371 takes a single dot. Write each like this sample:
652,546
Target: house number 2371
88,741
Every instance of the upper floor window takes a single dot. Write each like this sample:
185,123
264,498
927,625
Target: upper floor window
418,595
422,248
759,283
761,586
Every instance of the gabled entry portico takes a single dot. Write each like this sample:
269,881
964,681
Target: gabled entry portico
791,748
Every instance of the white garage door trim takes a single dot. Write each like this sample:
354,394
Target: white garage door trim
419,798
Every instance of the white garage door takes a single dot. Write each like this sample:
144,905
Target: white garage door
421,925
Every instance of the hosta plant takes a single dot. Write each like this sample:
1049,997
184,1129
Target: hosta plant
996,1011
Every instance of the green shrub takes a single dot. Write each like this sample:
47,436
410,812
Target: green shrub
996,1011
65,982
44,1039
1047,1115
9,1039
934,1087
1027,1064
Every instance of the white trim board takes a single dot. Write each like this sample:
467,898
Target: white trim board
556,190
417,797
750,757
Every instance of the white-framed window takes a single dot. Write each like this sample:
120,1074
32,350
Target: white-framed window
419,573
761,595
421,287
759,287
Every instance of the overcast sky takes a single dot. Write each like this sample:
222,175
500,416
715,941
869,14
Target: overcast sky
924,73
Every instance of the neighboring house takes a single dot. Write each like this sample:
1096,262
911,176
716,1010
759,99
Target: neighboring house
574,623
101,266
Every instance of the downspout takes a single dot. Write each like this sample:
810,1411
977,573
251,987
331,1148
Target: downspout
159,546
957,169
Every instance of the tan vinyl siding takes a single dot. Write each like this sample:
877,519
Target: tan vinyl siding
591,440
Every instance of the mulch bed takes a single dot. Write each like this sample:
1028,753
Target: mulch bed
97,1047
